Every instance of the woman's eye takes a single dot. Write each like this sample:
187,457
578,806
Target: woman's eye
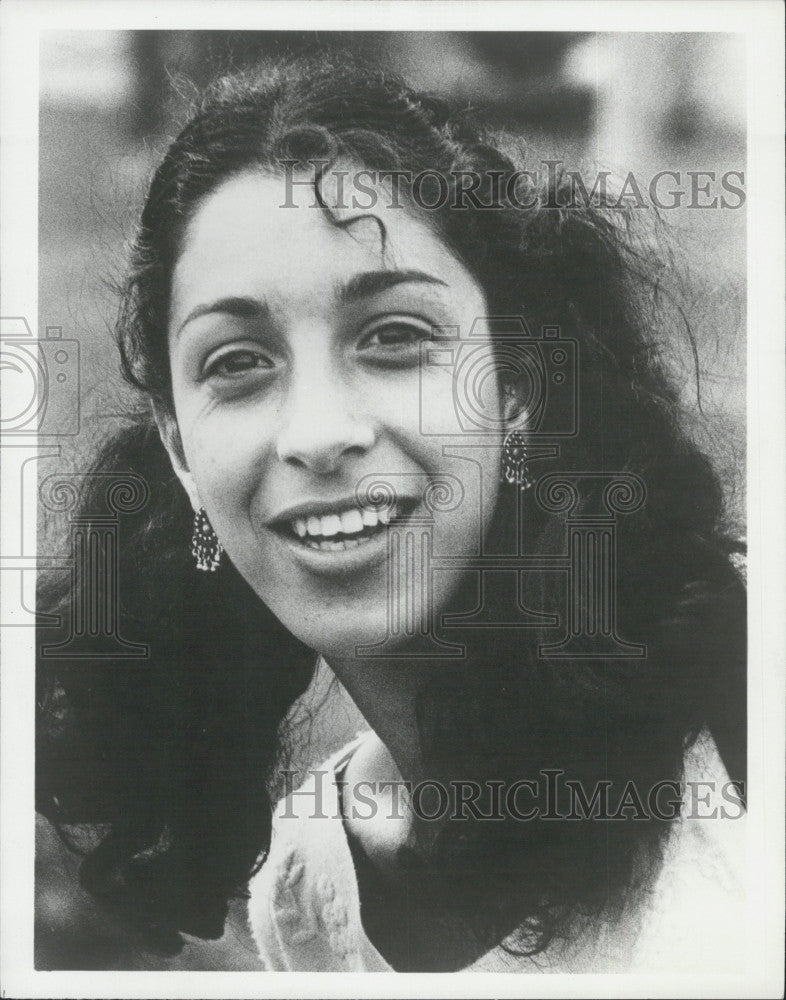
395,337
234,364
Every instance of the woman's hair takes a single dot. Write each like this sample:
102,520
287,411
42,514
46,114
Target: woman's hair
173,754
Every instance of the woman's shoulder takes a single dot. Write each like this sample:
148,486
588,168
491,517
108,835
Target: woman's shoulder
684,911
304,907
692,911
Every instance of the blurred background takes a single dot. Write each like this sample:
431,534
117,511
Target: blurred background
110,101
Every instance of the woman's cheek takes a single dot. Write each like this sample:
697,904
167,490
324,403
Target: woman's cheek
410,401
226,463
437,395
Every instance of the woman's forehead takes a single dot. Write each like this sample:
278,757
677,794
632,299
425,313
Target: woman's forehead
253,236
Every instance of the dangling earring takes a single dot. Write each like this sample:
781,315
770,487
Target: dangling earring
514,460
205,546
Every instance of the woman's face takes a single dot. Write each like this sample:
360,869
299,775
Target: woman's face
295,350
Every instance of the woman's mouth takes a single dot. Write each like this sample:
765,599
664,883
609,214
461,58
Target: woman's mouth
342,539
344,530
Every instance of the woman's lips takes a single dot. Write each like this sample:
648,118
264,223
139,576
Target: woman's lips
324,547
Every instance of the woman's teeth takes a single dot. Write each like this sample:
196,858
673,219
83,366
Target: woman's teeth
355,526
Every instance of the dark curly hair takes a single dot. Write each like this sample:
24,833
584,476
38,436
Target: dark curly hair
169,760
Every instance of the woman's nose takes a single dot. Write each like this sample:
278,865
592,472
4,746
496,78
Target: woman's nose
319,428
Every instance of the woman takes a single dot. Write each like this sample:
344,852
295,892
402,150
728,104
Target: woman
307,264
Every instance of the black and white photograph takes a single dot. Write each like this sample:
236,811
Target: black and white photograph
392,479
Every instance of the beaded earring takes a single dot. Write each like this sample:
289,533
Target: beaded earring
514,461
205,546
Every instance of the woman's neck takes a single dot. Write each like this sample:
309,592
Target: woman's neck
386,692
386,768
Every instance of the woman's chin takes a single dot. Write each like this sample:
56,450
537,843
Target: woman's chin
351,641
351,631
369,646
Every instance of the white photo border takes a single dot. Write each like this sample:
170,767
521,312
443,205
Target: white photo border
761,21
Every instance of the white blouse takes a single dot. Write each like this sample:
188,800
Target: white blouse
304,906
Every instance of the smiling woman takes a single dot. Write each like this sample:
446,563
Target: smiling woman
349,404
281,408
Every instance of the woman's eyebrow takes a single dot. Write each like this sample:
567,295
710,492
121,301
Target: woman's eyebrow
373,282
359,286
243,307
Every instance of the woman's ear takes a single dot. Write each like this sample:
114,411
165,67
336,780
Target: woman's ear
514,406
170,436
